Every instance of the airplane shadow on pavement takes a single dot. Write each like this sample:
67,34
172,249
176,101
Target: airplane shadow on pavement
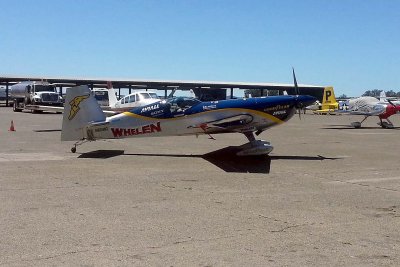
225,158
349,127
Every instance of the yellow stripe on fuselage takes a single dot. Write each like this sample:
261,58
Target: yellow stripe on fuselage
256,112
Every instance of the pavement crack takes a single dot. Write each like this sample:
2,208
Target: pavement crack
39,258
367,185
202,240
46,258
168,186
286,228
62,254
277,220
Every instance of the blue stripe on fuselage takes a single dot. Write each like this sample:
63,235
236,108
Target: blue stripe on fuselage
268,105
256,103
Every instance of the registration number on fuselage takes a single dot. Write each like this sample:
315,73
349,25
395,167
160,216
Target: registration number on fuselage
150,108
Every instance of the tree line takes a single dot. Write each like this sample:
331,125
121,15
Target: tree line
374,93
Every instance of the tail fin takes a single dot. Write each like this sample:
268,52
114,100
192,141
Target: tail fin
382,96
112,97
192,94
329,99
81,108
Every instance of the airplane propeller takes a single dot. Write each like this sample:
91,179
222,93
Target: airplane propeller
296,87
391,103
397,108
299,105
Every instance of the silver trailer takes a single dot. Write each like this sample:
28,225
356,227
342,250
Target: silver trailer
31,93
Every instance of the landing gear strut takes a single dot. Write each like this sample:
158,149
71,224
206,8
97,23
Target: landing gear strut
254,147
80,142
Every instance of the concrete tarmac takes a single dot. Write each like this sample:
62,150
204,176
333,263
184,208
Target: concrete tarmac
328,195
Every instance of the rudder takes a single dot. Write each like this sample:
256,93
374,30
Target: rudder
80,109
329,99
112,98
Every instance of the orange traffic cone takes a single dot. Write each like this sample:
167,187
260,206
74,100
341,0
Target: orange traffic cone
12,129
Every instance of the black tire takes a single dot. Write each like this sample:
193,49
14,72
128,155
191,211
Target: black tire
15,108
73,149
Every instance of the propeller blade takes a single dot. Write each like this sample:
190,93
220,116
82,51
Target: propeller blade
296,87
391,103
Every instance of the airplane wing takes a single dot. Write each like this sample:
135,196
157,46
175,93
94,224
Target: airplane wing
230,122
349,112
45,108
61,109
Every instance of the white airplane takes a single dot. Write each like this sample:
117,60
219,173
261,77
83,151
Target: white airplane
370,106
133,100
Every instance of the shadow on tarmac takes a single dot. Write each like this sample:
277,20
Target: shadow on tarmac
349,127
225,158
47,131
101,154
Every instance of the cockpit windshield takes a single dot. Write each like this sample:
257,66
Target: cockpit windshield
182,103
169,108
101,95
44,88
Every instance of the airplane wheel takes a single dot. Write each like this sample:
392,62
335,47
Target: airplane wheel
73,149
15,107
387,125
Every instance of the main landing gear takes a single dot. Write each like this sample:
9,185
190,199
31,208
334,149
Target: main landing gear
384,124
254,147
357,124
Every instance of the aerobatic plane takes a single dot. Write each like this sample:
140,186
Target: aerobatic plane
83,119
370,106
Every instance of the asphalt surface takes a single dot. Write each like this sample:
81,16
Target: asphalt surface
328,195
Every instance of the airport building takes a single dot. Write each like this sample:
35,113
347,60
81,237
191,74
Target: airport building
204,90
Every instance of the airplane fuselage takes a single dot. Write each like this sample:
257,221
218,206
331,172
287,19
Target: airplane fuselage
370,106
163,119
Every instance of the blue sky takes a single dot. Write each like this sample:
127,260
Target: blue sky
353,45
